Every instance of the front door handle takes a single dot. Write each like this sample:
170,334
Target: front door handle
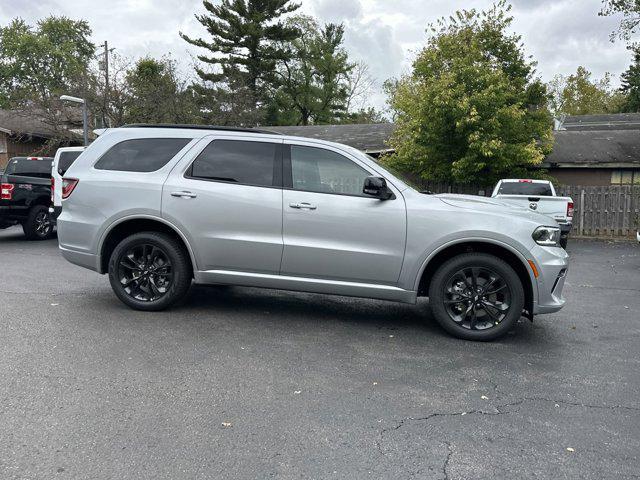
303,206
183,194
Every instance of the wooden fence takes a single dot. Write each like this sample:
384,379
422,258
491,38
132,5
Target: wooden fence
611,211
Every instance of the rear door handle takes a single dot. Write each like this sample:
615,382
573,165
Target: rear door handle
303,206
183,194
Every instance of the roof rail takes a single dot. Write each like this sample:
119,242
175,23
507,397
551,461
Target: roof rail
200,127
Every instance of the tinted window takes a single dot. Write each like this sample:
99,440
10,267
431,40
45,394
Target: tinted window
319,170
65,161
249,163
525,188
27,167
141,155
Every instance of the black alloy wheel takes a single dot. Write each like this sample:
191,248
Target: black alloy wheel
476,296
145,272
150,271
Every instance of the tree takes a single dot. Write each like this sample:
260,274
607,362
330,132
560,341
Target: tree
313,76
578,94
631,83
245,45
156,94
630,10
471,110
37,64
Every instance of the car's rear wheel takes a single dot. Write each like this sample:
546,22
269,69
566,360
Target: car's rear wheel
476,296
39,225
150,271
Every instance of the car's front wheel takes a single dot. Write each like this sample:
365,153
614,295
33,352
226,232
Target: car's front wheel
476,296
150,271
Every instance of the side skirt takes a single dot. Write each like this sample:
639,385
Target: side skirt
303,284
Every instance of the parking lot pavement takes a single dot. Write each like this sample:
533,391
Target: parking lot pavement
247,383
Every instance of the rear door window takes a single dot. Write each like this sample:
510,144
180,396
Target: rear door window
241,162
30,167
66,160
141,155
525,188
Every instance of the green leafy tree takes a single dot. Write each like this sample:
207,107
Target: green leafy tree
243,48
37,64
630,10
631,84
156,94
580,94
313,76
471,111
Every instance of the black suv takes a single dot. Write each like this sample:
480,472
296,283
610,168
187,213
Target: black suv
25,196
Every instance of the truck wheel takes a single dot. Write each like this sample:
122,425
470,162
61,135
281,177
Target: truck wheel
476,296
150,271
563,242
38,225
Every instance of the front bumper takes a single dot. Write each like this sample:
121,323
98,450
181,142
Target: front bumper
552,264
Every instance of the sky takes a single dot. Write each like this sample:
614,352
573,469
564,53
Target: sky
386,34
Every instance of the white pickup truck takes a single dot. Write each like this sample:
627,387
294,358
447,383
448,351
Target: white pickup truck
539,196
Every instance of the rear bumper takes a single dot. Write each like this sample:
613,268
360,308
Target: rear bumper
82,259
565,229
55,212
553,265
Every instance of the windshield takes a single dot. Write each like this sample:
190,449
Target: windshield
525,188
30,167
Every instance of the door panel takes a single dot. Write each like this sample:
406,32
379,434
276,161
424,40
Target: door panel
335,235
230,226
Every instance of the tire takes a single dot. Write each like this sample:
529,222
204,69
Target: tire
468,315
39,224
564,241
150,271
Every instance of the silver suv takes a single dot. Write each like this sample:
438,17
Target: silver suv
160,207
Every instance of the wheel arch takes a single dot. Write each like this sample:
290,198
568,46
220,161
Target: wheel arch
498,249
126,226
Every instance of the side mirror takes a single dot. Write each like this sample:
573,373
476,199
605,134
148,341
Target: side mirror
377,187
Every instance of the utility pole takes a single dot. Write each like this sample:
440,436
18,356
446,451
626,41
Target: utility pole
105,117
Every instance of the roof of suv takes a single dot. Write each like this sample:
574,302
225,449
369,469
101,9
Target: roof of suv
200,127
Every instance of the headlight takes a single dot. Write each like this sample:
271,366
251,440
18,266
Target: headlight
547,236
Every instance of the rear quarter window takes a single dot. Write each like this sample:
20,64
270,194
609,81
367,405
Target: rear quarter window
141,155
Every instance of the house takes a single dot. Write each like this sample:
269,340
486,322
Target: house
24,135
593,150
590,150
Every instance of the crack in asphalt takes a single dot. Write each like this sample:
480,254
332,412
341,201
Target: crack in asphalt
498,411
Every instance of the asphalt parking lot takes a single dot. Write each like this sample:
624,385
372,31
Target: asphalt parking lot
246,383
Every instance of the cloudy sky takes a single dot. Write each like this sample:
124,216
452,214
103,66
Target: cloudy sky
560,34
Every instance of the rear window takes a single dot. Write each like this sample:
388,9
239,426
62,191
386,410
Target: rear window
141,155
525,188
27,167
66,160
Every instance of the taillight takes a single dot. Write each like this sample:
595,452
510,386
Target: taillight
53,186
525,181
570,209
68,185
6,191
